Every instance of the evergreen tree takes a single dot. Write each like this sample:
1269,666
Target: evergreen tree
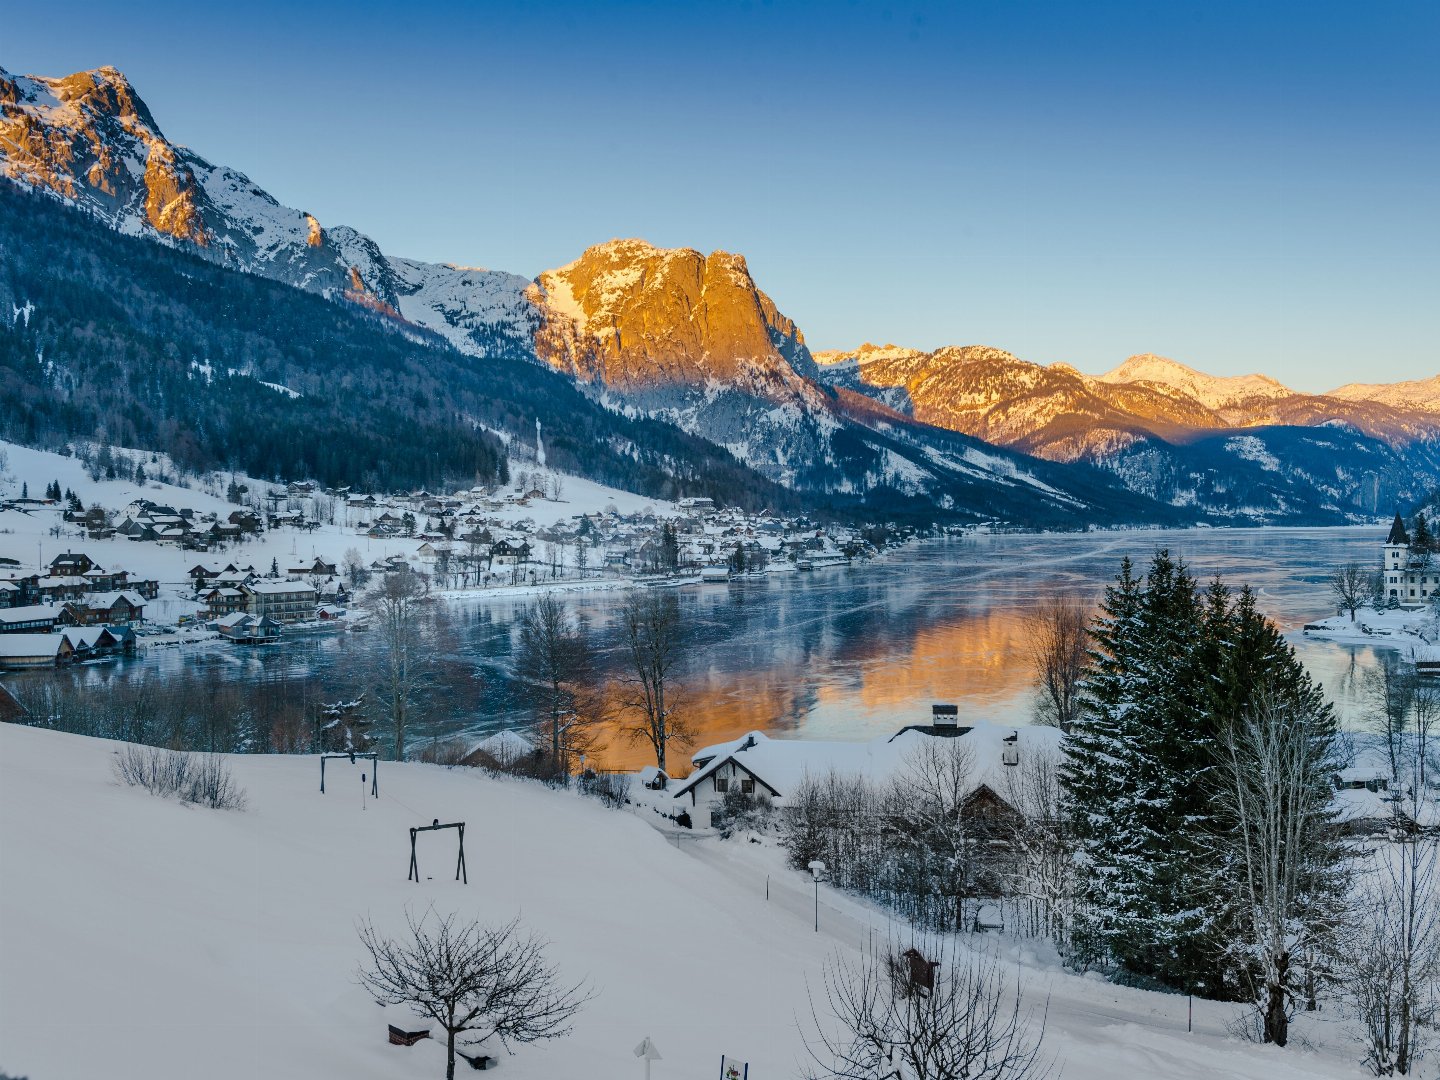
140,476
1421,540
669,547
1171,673
1098,773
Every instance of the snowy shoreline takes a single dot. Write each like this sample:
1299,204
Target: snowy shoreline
1386,629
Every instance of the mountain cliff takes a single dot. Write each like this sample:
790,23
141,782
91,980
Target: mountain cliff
90,139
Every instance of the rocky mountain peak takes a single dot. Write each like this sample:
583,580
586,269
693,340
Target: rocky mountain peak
627,313
89,136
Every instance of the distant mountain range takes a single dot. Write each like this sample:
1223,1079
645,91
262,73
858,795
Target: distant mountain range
691,341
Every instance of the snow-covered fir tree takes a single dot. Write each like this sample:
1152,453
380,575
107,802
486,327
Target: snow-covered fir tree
1171,672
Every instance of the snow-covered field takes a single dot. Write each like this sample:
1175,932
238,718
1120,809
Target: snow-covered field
141,938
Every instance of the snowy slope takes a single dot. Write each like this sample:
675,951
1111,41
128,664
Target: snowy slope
1212,391
1423,394
222,944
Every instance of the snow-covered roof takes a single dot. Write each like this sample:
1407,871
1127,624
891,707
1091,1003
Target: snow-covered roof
274,587
83,636
105,600
14,645
505,746
784,763
29,612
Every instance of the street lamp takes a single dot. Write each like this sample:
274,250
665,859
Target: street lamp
817,871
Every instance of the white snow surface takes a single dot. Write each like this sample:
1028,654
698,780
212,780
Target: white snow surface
224,941
1212,391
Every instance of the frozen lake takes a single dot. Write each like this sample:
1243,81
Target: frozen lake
843,652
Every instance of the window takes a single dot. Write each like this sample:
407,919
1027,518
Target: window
747,786
722,784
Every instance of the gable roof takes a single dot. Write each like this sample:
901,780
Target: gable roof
783,764
25,645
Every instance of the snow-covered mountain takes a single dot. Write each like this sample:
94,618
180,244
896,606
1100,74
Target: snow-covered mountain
1212,391
1227,445
89,138
690,337
1422,394
675,334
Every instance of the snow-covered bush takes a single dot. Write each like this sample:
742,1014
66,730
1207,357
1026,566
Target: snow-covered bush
201,779
741,813
612,789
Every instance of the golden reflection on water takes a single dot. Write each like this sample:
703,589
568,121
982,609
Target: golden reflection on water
871,685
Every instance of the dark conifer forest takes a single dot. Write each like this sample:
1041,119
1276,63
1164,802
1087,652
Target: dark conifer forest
140,344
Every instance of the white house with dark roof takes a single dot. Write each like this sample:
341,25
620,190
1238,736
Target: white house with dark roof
1412,576
756,764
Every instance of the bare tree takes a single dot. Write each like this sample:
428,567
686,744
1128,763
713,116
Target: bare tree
969,1023
402,654
652,635
1273,794
1353,587
354,568
471,979
1388,691
1392,958
927,811
555,662
1041,836
1057,636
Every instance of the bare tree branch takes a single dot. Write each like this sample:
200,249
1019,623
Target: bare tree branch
487,982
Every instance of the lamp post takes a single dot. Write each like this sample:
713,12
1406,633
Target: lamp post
817,871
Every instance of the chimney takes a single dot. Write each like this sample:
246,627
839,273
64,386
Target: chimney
944,716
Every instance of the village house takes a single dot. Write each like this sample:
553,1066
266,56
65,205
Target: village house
117,609
1411,577
247,629
507,553
758,765
34,650
98,642
317,567
223,599
282,601
71,564
29,619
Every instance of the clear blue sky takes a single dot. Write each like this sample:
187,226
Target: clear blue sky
1238,186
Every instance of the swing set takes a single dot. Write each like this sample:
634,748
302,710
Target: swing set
458,826
350,756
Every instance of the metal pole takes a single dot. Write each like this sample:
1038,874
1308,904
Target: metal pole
1190,1018
817,905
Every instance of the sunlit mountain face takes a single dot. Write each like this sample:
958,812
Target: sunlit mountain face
693,340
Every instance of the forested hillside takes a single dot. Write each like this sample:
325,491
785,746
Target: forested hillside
141,344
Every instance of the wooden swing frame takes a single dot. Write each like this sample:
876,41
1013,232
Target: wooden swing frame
460,872
350,756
